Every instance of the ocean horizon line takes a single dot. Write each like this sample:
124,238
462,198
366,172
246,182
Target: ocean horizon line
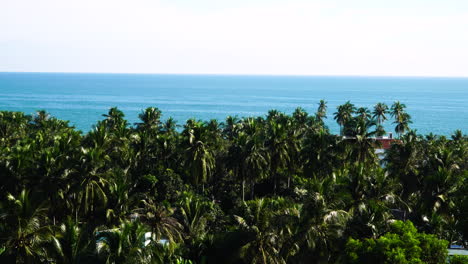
245,75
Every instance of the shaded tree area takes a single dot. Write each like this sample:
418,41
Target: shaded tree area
271,189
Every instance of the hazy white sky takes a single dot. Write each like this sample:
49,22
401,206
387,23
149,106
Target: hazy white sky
313,37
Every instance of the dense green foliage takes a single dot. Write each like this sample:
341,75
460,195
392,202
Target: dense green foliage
458,259
274,189
403,245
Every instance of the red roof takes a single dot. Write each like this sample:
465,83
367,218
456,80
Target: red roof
386,142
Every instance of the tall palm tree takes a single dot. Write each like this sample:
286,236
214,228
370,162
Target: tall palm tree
160,221
196,213
125,244
167,150
369,194
72,244
98,137
261,219
316,231
299,120
361,139
294,140
320,153
146,151
404,162
230,126
150,118
24,231
277,144
40,118
121,196
344,114
364,113
256,157
379,113
114,118
458,136
169,125
214,137
402,119
197,217
321,111
248,157
402,123
200,161
397,110
92,194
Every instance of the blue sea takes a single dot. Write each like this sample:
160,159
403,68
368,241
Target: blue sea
437,105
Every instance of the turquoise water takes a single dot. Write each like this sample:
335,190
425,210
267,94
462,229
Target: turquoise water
437,105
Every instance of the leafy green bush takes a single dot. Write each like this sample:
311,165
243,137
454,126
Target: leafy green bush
458,259
403,245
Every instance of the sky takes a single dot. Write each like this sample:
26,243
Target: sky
273,37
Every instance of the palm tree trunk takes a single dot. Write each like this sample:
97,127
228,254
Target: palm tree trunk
252,187
274,184
243,185
273,170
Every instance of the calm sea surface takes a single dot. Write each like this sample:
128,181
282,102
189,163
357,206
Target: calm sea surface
438,105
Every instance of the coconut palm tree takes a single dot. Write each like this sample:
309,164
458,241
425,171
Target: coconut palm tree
199,157
404,162
196,212
361,139
114,118
230,127
150,119
344,114
277,144
40,119
257,219
402,123
316,231
397,110
23,230
169,126
369,193
126,243
364,113
458,136
92,194
198,216
159,219
402,119
321,111
72,244
379,113
121,196
247,157
299,121
294,140
214,137
98,137
146,149
256,156
320,153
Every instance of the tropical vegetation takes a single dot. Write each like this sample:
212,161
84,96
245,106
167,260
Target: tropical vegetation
270,189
